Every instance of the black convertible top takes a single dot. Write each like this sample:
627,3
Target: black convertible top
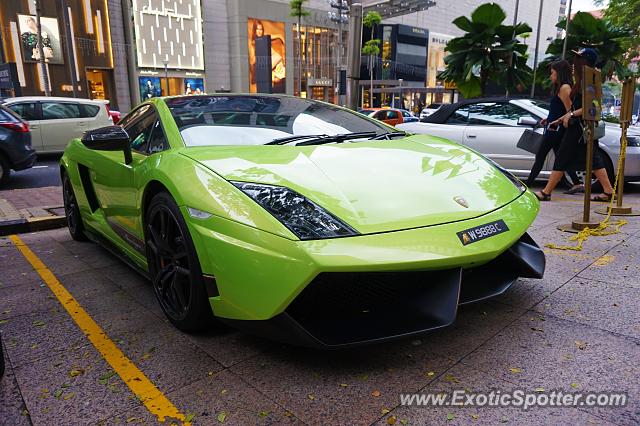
443,113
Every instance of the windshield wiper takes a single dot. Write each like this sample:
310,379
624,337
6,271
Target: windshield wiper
337,138
389,135
281,141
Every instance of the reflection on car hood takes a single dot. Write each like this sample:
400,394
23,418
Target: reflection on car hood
374,186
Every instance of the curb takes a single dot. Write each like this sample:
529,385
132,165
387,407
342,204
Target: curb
21,226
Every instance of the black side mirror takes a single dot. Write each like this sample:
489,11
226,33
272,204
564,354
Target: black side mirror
110,138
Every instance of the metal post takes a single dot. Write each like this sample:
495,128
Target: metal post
166,75
566,31
69,45
587,179
353,55
535,56
43,65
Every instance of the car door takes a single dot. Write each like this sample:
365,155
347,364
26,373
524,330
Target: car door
61,122
493,130
119,185
393,117
29,112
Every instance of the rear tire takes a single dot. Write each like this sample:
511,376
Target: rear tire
174,267
71,210
5,170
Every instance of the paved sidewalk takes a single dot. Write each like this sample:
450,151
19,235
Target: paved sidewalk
31,209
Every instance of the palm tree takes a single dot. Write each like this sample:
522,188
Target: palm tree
488,51
298,11
372,46
587,31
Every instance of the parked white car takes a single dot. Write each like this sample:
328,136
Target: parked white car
494,126
429,110
55,121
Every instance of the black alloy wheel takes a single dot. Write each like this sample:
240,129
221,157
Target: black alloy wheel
174,267
72,211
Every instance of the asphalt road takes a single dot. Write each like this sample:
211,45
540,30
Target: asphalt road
44,173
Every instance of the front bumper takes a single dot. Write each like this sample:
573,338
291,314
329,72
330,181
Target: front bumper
311,292
348,309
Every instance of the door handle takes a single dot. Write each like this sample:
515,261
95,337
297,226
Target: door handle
471,136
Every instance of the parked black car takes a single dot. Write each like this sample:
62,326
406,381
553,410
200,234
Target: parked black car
15,144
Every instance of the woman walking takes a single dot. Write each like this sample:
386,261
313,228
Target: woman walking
561,80
572,152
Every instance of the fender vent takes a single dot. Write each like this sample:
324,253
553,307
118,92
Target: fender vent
87,186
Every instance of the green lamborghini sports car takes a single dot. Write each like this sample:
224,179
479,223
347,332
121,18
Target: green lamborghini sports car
298,220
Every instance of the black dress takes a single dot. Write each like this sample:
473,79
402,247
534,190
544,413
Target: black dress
551,141
572,153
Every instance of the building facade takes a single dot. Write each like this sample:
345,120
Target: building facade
81,49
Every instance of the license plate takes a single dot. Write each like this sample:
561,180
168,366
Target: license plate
471,235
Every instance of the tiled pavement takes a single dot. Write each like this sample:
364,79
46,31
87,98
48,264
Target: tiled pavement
578,329
30,203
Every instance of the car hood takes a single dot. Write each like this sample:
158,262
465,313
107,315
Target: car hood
374,186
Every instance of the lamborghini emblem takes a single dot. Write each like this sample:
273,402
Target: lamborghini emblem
465,239
458,199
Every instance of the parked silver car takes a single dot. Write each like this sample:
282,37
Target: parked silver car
494,126
55,121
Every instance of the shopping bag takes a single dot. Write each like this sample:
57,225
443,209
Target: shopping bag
530,141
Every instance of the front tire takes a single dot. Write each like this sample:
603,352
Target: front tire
174,267
71,210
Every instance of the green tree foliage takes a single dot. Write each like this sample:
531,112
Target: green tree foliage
488,51
626,13
371,47
587,31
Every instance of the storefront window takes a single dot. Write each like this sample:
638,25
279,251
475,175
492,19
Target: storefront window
318,62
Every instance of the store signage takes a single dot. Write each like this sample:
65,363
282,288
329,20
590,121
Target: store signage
193,74
327,82
8,76
148,72
168,31
406,30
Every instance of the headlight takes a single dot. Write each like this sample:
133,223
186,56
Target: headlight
517,182
633,140
303,217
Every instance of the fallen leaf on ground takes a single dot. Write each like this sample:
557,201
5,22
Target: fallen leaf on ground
581,345
343,385
311,396
221,417
451,378
376,393
76,372
450,416
385,411
515,370
391,420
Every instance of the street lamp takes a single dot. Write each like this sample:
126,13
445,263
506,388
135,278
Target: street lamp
166,73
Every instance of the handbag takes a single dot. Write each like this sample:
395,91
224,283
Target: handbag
530,141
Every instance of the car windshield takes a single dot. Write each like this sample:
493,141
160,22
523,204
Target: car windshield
258,120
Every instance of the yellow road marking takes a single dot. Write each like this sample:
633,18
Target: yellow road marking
155,401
